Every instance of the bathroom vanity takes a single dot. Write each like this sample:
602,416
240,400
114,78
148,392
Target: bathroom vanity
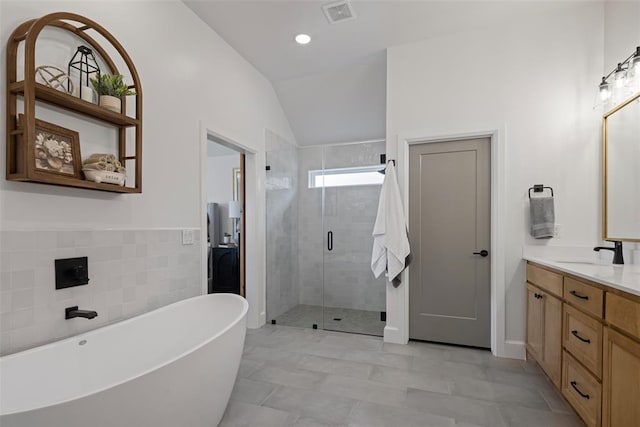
583,329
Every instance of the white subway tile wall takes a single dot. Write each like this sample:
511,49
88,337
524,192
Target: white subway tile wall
131,272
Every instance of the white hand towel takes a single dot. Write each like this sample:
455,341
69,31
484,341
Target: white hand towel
390,243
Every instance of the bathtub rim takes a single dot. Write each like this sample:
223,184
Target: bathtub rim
236,320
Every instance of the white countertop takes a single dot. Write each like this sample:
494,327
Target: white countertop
623,277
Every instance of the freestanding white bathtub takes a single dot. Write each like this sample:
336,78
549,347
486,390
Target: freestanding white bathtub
174,366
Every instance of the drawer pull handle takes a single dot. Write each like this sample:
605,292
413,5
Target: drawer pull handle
575,334
575,387
577,295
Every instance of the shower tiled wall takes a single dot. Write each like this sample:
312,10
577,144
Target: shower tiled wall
282,226
130,271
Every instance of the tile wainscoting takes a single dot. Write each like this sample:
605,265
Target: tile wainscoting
130,271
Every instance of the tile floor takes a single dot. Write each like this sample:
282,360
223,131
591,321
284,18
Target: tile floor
303,377
350,320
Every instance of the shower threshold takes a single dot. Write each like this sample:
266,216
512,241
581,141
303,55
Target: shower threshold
333,319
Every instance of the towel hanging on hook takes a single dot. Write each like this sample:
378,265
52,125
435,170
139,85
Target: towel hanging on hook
542,213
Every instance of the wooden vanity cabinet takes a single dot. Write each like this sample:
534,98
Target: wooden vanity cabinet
586,337
544,330
621,364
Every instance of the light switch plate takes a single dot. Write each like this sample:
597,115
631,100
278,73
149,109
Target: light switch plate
188,237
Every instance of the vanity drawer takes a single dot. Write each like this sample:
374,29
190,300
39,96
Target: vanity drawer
584,296
582,337
582,390
623,313
545,279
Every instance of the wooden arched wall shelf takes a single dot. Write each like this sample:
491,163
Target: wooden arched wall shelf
21,136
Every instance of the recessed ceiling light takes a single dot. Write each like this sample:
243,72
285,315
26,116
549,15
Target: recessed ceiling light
303,38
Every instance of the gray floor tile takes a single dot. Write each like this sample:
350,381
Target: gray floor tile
353,342
335,366
366,390
485,390
312,422
275,355
418,349
303,377
248,367
462,409
405,378
555,400
530,367
287,376
522,379
240,414
378,358
311,403
367,414
250,391
517,416
484,358
448,370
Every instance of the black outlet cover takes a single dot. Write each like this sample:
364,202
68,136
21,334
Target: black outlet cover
71,272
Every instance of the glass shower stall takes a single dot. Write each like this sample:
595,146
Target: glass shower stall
321,207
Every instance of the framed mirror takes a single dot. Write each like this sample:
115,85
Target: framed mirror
621,172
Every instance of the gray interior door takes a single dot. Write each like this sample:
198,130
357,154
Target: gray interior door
449,225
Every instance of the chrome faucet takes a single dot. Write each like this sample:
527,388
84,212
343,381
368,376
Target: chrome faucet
71,312
617,251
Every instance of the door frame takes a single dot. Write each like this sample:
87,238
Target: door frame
397,329
254,253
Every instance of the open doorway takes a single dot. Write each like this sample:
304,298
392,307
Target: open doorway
226,217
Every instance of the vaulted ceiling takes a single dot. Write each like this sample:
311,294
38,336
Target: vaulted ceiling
334,89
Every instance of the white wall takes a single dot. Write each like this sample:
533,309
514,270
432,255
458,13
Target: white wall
192,80
622,31
534,80
220,186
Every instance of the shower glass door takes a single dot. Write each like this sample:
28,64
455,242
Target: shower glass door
354,300
321,207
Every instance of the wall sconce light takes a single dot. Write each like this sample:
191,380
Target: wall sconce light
625,75
605,90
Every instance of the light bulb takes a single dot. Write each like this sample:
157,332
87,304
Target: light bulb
620,76
605,92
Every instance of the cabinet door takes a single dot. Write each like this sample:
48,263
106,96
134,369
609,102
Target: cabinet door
552,337
621,381
535,323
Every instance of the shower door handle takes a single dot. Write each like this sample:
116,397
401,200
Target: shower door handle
330,241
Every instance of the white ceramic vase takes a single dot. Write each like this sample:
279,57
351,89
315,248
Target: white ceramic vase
110,103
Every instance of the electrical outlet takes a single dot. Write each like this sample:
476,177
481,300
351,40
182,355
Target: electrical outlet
556,230
188,237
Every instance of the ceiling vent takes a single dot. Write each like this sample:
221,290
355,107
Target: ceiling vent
339,11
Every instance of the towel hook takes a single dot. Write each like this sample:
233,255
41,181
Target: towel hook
383,160
539,188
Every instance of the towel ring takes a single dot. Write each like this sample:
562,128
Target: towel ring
539,188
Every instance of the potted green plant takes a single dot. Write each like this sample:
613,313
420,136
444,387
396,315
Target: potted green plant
111,89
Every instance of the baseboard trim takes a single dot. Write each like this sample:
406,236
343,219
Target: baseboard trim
393,335
514,350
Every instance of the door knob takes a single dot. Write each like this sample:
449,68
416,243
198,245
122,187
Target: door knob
483,253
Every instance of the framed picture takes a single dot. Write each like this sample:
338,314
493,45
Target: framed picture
56,150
